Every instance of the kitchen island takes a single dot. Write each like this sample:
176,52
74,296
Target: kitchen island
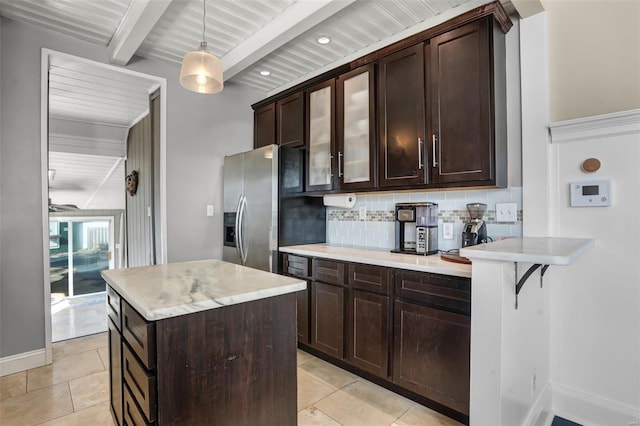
205,342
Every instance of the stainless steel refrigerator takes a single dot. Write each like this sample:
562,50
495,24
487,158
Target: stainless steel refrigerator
251,208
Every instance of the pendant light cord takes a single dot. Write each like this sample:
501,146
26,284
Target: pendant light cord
204,16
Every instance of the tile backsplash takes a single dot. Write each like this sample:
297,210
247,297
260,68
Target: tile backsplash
344,226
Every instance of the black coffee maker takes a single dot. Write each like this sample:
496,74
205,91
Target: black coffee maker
475,230
416,228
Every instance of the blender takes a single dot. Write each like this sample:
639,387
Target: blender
475,230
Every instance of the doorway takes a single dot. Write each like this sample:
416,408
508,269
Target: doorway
87,110
80,248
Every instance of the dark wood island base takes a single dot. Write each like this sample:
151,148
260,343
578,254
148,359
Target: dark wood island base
233,365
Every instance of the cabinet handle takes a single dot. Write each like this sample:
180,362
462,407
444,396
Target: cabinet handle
330,165
420,164
433,153
340,155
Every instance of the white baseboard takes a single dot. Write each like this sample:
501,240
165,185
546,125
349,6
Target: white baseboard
21,362
591,410
541,413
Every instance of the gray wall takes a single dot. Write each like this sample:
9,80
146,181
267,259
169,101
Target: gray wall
201,129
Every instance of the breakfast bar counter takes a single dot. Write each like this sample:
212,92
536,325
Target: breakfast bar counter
205,342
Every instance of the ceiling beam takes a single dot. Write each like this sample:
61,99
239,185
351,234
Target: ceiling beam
302,16
136,24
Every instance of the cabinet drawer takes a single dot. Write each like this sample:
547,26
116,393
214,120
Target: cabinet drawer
141,384
368,277
296,265
140,334
132,414
451,293
113,306
328,271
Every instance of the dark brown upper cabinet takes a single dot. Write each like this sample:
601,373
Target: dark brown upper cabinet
290,120
355,129
466,82
264,125
321,148
401,118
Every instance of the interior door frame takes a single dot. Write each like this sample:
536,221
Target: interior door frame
160,83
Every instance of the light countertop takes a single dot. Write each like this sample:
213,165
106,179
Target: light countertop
174,289
542,250
380,257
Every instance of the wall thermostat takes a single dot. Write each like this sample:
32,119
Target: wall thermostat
590,193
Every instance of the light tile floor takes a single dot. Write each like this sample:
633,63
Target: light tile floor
74,390
78,316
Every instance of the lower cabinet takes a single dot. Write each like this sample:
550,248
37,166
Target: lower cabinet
302,314
409,329
207,367
115,370
431,353
367,332
327,318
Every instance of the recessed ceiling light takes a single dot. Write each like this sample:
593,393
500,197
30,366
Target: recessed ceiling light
265,72
324,39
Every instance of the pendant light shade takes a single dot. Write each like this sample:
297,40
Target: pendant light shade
201,71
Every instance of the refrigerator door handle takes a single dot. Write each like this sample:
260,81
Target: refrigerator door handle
243,251
236,236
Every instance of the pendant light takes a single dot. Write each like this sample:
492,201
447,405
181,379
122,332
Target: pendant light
202,71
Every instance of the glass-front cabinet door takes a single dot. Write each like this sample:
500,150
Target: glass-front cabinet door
356,132
320,136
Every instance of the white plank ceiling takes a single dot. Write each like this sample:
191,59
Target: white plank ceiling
249,36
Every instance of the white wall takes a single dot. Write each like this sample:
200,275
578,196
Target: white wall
595,309
201,129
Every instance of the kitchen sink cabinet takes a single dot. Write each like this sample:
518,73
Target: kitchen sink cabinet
401,118
264,124
290,121
466,82
355,129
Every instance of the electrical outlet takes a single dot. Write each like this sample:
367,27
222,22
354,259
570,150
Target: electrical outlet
447,231
209,210
362,212
506,212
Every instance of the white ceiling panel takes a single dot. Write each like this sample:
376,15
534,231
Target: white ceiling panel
87,181
92,20
94,93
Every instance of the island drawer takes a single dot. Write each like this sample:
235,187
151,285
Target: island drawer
369,277
139,334
443,291
140,383
113,306
132,414
329,271
296,265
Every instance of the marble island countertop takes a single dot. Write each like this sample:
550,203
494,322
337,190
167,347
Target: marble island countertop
542,250
174,289
381,257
